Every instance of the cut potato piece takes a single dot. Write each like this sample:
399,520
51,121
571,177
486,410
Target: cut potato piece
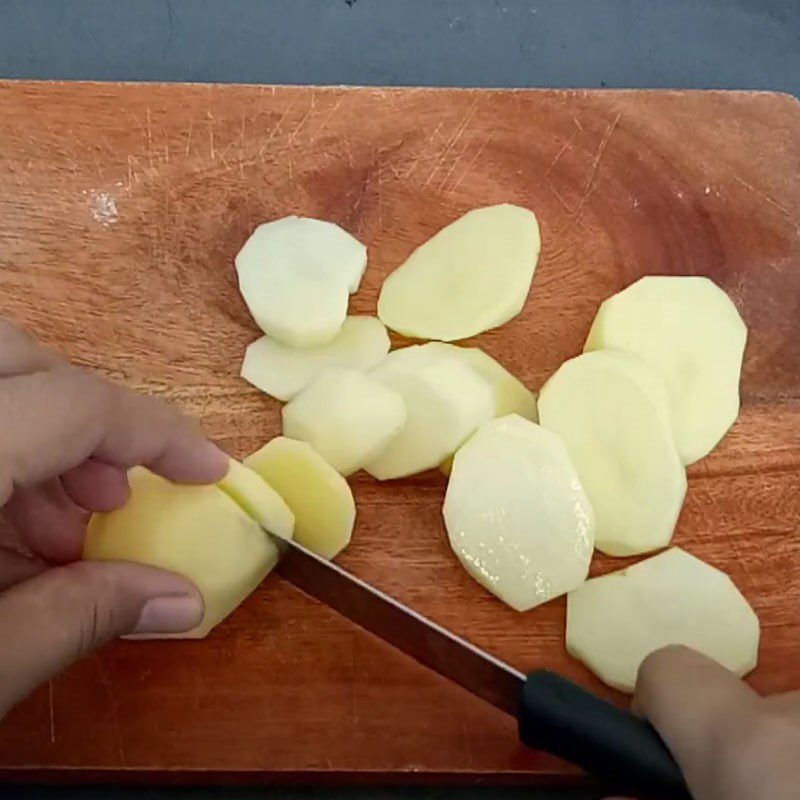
297,307
690,331
510,395
346,416
308,244
516,514
445,402
319,497
283,371
473,275
616,621
258,499
611,411
196,531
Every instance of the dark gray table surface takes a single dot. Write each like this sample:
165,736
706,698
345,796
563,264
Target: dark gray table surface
580,43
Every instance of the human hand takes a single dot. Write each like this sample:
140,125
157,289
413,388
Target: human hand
67,439
731,743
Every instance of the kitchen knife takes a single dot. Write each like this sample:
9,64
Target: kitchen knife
554,714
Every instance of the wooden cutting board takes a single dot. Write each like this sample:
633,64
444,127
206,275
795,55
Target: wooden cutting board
121,209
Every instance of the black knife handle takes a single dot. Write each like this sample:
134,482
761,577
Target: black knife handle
618,748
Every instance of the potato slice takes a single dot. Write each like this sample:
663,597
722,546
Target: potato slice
511,396
196,531
306,243
297,307
346,416
283,371
319,497
611,411
473,275
615,622
516,515
258,499
445,402
690,331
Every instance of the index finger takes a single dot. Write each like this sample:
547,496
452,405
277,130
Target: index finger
50,422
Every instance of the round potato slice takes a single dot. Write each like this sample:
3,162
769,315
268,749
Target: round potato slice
196,531
616,621
690,331
516,515
346,416
282,371
611,410
319,497
473,275
445,402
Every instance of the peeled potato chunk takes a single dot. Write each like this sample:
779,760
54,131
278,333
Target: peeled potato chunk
295,275
445,402
258,499
282,371
688,329
346,416
516,515
319,497
611,410
473,275
616,621
196,531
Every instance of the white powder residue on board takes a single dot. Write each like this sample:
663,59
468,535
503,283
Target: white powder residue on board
103,207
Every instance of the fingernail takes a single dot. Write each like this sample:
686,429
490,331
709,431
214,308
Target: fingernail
170,614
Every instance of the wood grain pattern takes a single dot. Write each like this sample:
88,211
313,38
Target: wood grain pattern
121,208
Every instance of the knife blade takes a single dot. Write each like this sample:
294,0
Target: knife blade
553,713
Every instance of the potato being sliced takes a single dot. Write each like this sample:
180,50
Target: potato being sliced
611,410
445,402
616,621
196,531
516,515
473,275
258,499
283,371
688,329
322,503
346,416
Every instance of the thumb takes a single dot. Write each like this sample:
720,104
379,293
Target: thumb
700,709
50,621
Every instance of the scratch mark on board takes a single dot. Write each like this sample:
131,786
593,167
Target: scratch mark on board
52,712
474,158
328,116
149,141
189,137
299,125
455,138
561,152
211,150
764,196
591,181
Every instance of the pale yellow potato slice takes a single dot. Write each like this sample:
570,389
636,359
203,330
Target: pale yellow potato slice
346,416
445,402
516,514
511,396
616,621
611,410
258,499
282,371
196,531
322,503
688,329
473,275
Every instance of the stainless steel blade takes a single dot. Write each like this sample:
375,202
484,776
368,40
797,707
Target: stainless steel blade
430,644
